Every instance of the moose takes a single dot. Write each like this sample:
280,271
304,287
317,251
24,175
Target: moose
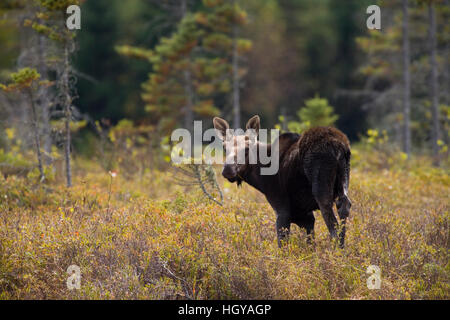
313,174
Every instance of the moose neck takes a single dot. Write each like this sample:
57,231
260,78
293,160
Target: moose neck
253,176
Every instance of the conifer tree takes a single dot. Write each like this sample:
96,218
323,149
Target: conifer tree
316,112
26,81
386,50
49,20
193,67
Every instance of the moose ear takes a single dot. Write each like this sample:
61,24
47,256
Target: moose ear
253,124
221,127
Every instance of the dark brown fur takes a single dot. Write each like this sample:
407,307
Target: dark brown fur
313,174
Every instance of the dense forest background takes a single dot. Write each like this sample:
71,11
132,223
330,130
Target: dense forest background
163,64
300,48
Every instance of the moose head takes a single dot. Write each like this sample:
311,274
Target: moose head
239,149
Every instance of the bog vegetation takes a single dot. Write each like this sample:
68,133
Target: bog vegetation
135,234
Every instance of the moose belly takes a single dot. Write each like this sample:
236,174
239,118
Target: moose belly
300,194
304,203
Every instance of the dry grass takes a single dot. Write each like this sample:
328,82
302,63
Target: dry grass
149,239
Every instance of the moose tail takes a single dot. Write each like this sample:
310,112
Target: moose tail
343,174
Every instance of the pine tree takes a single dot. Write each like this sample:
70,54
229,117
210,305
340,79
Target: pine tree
316,112
26,81
50,21
193,67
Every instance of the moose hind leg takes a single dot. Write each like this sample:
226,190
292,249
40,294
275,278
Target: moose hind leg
343,205
322,190
326,208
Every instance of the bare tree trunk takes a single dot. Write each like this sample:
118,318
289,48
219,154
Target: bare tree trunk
67,113
189,113
446,78
434,91
406,82
67,150
446,68
236,82
44,100
37,142
183,8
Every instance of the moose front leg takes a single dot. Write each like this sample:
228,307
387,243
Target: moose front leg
283,211
283,226
309,225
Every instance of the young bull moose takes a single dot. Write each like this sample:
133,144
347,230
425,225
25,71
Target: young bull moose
313,174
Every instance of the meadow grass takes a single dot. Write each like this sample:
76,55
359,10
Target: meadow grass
147,238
